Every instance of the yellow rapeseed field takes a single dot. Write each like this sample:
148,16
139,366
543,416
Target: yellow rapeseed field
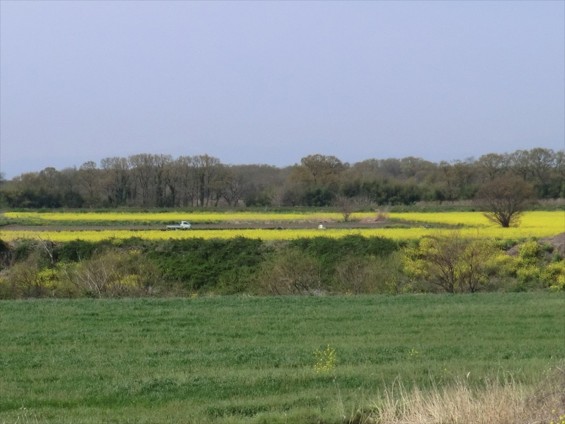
469,224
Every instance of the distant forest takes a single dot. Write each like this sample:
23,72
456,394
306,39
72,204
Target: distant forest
162,181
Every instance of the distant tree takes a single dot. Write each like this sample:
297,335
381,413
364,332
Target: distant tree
231,187
504,199
321,170
318,197
317,171
261,185
2,194
68,189
492,165
541,164
183,181
346,206
559,174
152,180
117,181
160,181
142,168
206,178
89,182
458,180
520,163
315,182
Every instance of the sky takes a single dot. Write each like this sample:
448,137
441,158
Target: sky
269,82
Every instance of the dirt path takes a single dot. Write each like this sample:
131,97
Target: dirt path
198,226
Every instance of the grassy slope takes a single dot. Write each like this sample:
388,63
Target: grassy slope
251,359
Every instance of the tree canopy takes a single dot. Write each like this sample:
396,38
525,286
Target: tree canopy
152,180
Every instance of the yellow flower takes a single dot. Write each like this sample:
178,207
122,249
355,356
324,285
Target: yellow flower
325,360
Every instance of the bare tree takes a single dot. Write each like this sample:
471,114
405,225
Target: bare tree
143,171
504,199
161,178
89,182
232,186
346,206
182,180
205,176
117,181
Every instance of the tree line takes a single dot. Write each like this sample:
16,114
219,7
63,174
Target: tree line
156,180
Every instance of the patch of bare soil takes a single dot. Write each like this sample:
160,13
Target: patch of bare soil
234,225
557,242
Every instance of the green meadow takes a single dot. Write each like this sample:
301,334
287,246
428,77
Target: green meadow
253,359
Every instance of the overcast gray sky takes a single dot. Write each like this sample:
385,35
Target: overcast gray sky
271,82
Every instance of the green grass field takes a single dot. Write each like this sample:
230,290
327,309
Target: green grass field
247,359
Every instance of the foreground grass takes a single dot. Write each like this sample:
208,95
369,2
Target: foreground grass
498,402
238,359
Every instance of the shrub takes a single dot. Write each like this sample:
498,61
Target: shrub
23,249
530,252
6,254
114,273
29,278
330,251
77,250
553,275
21,280
289,271
536,266
451,263
370,274
200,264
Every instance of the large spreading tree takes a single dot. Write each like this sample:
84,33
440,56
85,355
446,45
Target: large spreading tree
504,199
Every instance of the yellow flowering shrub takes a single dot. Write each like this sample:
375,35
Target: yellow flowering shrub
326,360
554,275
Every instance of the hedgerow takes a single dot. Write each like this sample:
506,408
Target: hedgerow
322,265
199,264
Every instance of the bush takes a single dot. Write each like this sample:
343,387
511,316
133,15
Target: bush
29,278
370,274
22,249
353,264
21,280
6,255
330,251
115,273
201,265
77,250
554,275
451,263
536,266
287,272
